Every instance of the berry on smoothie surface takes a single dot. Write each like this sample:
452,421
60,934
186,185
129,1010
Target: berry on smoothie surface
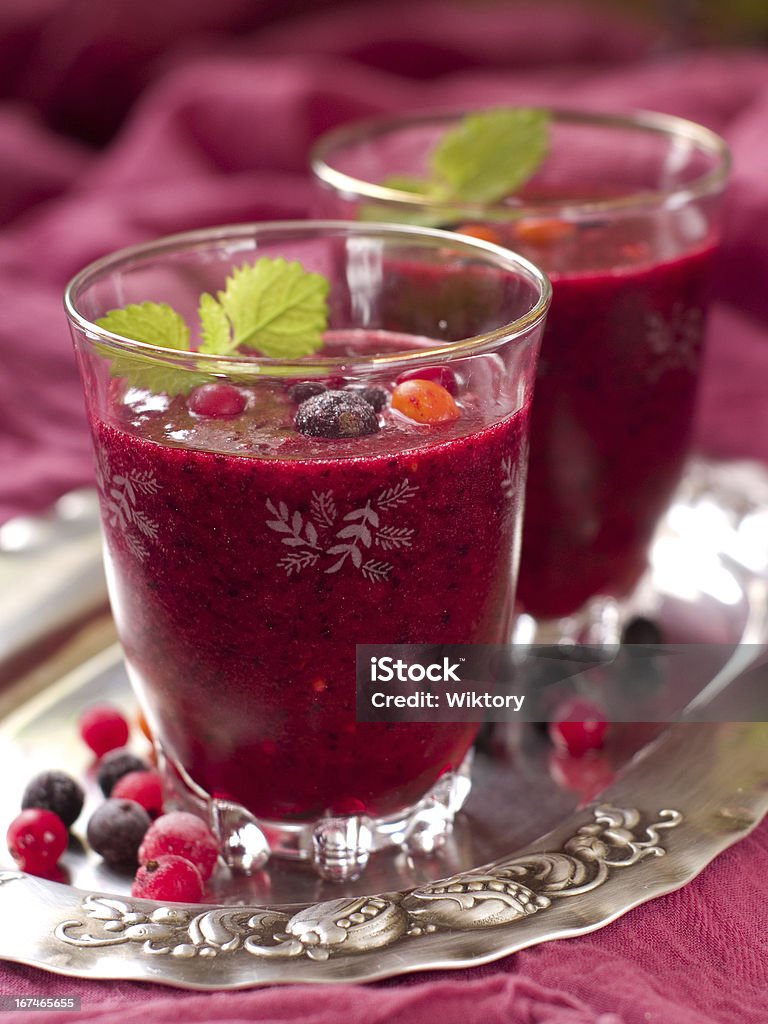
425,402
442,375
217,401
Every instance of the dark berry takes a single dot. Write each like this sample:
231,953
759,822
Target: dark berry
578,726
146,788
103,727
36,839
442,375
336,414
217,401
114,765
116,829
169,878
55,791
641,630
375,396
185,835
305,389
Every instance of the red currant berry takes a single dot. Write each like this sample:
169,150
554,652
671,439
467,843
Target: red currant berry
217,401
578,726
146,788
442,375
588,776
184,835
169,878
36,839
103,728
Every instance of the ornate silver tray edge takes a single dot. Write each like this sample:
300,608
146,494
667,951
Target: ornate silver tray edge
601,863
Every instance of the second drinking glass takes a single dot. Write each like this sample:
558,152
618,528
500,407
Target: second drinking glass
622,214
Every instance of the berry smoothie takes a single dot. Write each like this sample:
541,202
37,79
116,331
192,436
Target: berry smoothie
247,559
615,398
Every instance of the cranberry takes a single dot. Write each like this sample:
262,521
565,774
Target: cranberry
116,829
103,727
169,878
146,788
182,834
578,726
114,765
442,375
36,839
55,791
217,401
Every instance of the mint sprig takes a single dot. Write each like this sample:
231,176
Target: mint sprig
486,157
272,306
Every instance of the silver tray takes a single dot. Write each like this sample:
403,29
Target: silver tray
526,864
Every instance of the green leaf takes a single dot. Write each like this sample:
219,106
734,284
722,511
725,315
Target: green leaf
215,327
155,375
276,307
491,154
154,323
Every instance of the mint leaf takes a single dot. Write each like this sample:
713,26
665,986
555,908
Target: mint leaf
491,154
274,307
270,306
155,323
215,328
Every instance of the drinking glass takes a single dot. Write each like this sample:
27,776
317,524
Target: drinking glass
623,217
248,551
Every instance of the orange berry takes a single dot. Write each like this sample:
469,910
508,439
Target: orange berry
543,230
484,232
425,401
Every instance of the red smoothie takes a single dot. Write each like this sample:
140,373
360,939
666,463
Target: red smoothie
247,560
613,409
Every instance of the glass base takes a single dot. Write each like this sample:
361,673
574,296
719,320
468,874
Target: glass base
338,847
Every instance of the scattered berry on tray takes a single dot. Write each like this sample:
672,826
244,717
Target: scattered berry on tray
336,414
425,401
104,728
55,791
578,726
169,878
642,630
588,775
36,840
185,835
114,765
145,787
116,829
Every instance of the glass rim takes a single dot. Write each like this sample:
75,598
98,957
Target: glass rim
671,126
495,255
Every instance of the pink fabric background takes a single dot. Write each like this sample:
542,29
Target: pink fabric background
122,122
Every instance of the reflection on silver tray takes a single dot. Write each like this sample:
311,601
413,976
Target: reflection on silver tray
500,883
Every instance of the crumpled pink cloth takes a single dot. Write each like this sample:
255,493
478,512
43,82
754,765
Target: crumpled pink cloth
122,122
